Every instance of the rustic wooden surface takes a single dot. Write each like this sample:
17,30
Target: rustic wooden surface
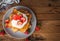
47,12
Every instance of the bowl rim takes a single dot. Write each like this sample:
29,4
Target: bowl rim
30,32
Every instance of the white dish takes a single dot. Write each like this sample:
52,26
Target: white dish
19,35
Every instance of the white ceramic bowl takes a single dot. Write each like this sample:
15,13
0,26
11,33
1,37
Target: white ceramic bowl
19,35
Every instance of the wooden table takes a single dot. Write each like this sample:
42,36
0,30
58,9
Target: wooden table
47,12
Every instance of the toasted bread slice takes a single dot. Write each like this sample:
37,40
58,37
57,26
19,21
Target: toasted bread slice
25,28
14,29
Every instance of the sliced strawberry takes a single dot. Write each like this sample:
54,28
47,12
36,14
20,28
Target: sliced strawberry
19,23
26,32
15,17
7,21
18,18
37,28
23,19
21,15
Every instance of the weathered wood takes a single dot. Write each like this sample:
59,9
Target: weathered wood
41,3
49,36
7,38
48,16
46,10
50,26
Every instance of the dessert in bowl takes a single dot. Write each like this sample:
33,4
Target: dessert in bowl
18,20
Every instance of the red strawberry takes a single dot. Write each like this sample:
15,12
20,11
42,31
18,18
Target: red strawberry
26,32
19,23
27,39
7,21
15,17
21,15
2,33
37,28
23,19
18,17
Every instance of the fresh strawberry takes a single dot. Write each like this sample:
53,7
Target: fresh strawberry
15,17
23,19
37,28
18,17
7,21
27,39
21,15
19,23
2,33
26,32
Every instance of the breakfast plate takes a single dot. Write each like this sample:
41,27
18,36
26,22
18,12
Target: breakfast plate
18,20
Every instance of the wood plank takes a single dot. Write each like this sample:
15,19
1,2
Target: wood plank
52,26
41,3
42,10
46,10
7,38
48,16
49,36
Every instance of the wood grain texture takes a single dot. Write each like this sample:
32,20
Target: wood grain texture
47,12
41,3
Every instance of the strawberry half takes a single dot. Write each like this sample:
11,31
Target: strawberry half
15,17
23,19
21,15
18,17
2,33
37,28
7,21
26,32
